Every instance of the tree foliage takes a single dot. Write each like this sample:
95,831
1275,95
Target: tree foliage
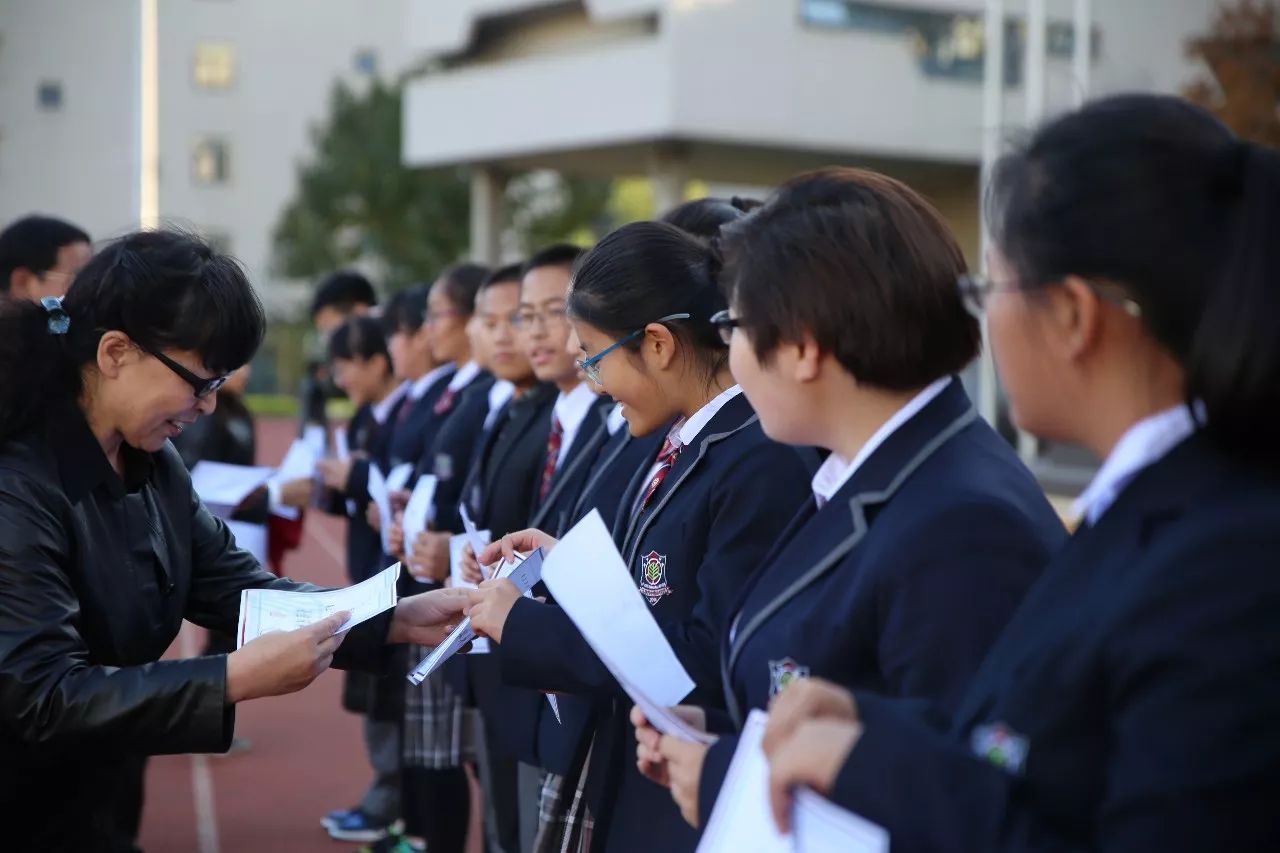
1241,54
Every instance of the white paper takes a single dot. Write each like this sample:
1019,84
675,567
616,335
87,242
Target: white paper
478,542
313,436
524,572
263,610
820,826
742,818
299,462
250,537
341,449
591,583
417,513
220,484
377,487
399,476
457,544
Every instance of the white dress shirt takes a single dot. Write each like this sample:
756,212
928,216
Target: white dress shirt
571,410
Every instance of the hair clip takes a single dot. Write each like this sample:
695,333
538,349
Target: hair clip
59,320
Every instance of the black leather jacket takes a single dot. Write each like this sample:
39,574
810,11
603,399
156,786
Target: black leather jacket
97,573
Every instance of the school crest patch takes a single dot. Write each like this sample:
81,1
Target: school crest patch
444,467
782,673
999,745
653,577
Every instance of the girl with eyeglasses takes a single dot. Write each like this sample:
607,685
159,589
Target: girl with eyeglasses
105,549
1131,704
694,522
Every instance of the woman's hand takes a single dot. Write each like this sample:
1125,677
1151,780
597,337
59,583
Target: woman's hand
811,758
395,539
526,541
373,516
649,759
283,662
490,605
399,499
806,699
684,773
430,558
297,493
427,618
471,571
335,473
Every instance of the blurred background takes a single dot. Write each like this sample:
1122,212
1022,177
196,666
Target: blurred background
398,136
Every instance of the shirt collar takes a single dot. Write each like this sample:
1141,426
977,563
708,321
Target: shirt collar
382,411
422,384
836,470
500,393
1142,445
571,408
463,376
690,428
615,421
83,466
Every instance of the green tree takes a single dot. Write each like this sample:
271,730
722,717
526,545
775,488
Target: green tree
1241,55
357,201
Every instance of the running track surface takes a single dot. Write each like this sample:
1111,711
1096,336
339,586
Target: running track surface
306,756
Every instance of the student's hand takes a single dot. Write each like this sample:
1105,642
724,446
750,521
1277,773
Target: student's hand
399,500
811,757
649,759
427,618
395,539
297,493
807,699
430,560
471,571
373,516
526,541
684,773
335,473
490,605
283,662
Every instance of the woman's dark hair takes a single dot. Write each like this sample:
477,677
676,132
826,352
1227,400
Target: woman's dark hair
359,337
862,263
645,271
703,217
406,311
1157,197
166,290
461,283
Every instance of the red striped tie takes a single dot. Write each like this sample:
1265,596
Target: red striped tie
666,460
553,457
445,403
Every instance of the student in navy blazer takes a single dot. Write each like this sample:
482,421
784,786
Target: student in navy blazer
694,521
924,530
424,376
1132,702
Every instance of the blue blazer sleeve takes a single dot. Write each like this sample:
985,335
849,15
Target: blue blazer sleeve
542,649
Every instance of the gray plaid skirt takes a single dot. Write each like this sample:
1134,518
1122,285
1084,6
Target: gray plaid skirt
439,730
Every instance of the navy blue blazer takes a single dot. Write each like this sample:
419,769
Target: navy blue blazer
369,442
450,454
414,424
619,459
1132,702
901,582
703,533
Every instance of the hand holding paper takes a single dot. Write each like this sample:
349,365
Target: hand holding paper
266,610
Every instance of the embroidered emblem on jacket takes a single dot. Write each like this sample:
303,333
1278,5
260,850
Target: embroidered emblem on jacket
783,672
999,745
653,577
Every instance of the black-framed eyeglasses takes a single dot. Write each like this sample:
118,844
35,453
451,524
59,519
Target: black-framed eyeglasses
591,366
725,325
200,385
976,290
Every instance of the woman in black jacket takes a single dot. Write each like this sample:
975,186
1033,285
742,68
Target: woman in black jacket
105,549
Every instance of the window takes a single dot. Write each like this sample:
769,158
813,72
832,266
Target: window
214,66
366,61
49,95
211,161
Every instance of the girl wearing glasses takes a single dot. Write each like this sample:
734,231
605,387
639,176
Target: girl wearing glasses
924,530
695,521
105,549
1132,702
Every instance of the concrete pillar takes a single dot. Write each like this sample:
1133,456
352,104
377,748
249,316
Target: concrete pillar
488,213
669,173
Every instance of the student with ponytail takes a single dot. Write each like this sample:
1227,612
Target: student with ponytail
1131,704
694,522
105,548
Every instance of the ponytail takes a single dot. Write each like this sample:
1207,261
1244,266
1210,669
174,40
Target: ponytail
38,368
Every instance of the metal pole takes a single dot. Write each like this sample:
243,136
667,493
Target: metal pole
1082,57
992,125
149,116
1033,80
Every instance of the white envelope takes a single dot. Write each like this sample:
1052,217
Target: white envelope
377,487
417,513
399,476
220,484
263,610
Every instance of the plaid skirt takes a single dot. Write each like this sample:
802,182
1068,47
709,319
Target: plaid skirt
439,730
564,821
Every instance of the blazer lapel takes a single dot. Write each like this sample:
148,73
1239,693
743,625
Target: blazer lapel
586,442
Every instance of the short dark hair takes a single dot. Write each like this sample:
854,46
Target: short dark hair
343,290
555,255
164,289
645,271
862,263
359,337
509,274
704,217
32,243
406,311
1157,196
461,283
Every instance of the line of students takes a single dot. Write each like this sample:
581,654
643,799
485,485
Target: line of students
823,526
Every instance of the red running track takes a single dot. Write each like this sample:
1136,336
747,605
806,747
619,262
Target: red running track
306,756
